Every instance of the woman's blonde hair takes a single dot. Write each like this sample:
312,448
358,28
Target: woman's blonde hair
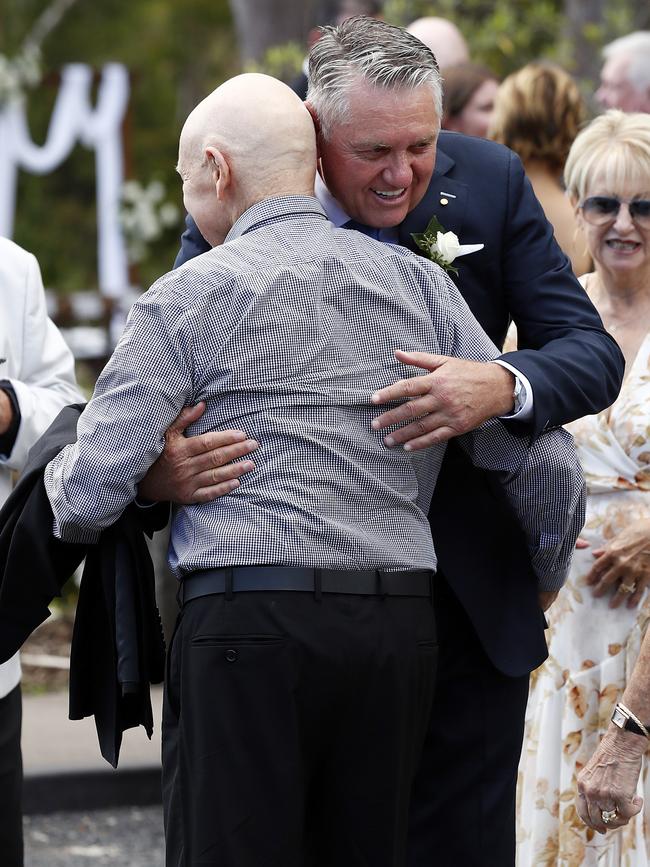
615,148
537,113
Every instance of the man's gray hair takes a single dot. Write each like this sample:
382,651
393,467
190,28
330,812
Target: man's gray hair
370,50
635,46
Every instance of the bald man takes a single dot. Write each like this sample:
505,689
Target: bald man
625,76
301,670
443,38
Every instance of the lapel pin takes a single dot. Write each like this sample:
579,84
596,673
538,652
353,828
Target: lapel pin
444,201
445,197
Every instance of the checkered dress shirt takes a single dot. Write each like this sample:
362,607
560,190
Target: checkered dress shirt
285,331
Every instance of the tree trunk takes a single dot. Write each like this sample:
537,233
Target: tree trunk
642,17
584,32
262,23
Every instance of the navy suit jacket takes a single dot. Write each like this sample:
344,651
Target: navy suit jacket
575,368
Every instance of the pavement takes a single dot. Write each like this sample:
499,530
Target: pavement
64,770
116,837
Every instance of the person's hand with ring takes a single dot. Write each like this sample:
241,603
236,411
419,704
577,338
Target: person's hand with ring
623,566
607,784
609,815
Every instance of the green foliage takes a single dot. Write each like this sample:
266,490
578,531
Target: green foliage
177,52
501,33
507,34
282,61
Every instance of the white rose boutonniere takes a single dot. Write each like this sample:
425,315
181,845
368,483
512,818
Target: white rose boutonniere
442,247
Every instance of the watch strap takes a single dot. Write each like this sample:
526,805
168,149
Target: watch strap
8,438
625,719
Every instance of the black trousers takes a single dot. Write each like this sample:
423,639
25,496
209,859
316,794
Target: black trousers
292,728
463,803
11,780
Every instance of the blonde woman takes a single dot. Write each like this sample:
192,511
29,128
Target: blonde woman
538,111
600,617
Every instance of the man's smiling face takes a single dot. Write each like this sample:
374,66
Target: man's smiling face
378,162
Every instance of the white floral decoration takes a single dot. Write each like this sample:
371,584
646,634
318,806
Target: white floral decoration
19,73
144,216
23,71
442,247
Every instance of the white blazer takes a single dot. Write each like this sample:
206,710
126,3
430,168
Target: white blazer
36,360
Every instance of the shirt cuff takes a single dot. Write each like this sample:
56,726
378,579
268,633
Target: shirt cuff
526,411
8,438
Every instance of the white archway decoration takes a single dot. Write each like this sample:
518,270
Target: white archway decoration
75,119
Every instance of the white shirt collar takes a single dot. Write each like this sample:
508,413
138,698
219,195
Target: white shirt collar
337,216
335,213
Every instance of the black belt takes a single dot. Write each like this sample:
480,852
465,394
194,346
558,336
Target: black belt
372,582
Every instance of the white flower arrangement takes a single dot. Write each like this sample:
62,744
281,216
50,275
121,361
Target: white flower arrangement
19,73
442,247
144,216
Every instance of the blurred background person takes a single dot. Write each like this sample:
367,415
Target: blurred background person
36,381
469,91
597,624
443,38
538,111
350,8
345,9
625,76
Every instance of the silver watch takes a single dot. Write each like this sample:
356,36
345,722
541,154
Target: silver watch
625,719
518,396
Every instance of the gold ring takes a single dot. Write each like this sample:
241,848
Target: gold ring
609,815
626,588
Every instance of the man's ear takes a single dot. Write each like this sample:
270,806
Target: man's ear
220,170
317,124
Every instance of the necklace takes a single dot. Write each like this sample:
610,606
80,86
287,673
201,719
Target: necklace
636,314
642,323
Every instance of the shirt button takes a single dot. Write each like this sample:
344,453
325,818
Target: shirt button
231,655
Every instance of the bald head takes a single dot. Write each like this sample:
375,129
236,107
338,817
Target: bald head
250,139
443,38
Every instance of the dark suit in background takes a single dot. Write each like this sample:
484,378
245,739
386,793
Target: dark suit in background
299,84
490,623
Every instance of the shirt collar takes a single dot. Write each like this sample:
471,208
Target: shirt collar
336,214
334,211
273,209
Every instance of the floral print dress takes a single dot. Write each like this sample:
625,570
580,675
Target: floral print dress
592,650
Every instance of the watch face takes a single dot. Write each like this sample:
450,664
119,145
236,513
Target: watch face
618,718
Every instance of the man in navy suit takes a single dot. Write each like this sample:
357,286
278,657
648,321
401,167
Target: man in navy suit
378,147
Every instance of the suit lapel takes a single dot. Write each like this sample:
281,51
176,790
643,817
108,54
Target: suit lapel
442,189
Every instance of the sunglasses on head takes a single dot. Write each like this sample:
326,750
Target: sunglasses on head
599,210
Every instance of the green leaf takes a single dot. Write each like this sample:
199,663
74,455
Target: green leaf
424,239
434,226
421,240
